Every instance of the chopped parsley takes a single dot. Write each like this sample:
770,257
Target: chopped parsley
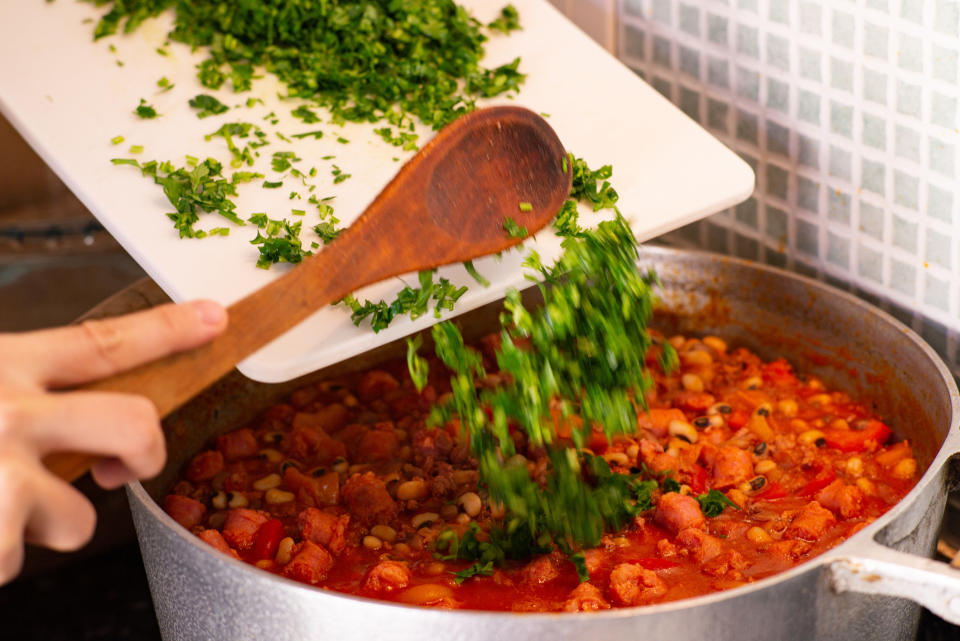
714,502
306,115
513,229
507,21
207,105
279,242
525,206
145,111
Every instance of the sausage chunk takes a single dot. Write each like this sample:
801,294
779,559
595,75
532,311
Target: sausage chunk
633,585
379,444
205,466
240,528
214,539
846,501
238,444
542,569
811,522
701,546
326,529
677,512
375,384
731,466
367,499
186,511
309,564
586,597
387,576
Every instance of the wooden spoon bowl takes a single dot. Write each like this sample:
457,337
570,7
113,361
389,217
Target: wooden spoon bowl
448,204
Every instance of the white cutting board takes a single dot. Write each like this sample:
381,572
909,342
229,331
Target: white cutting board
68,97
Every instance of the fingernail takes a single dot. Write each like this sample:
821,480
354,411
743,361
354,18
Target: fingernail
211,313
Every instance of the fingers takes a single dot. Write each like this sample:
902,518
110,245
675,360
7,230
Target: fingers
36,505
101,348
111,473
120,426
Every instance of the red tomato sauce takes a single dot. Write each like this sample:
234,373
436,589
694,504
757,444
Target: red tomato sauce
344,487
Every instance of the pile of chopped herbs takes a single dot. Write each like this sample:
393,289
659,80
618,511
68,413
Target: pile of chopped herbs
365,61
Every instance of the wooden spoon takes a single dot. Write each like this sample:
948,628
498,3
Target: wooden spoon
447,205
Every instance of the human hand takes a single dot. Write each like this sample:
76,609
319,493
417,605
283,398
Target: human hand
35,420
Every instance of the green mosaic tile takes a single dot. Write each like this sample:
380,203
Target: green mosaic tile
690,61
634,40
746,247
874,86
942,157
880,5
808,106
748,84
906,189
717,114
912,10
808,194
908,98
870,264
873,176
841,119
841,163
906,143
935,335
661,11
943,110
661,51
716,238
747,128
936,292
777,179
748,5
874,131
938,249
808,151
778,138
690,19
810,65
946,17
746,213
939,203
903,277
808,237
775,258
804,269
778,52
871,220
718,72
875,40
945,64
663,86
909,52
748,41
838,250
778,95
633,7
776,224
811,18
841,74
904,234
841,29
717,29
779,11
690,102
838,206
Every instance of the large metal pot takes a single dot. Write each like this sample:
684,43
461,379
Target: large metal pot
863,589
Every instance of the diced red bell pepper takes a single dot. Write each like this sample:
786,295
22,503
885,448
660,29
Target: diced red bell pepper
738,418
853,440
698,480
656,564
773,490
267,539
824,477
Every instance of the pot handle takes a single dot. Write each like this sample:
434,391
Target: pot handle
877,569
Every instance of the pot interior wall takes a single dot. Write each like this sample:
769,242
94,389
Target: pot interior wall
819,330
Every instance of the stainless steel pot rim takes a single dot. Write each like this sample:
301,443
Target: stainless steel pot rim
850,547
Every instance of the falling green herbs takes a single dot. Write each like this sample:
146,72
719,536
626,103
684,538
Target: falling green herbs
145,111
513,229
207,106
